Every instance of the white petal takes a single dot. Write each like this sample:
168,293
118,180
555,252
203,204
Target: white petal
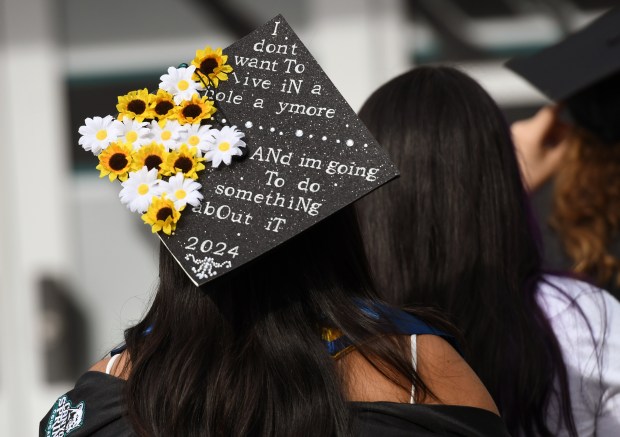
217,160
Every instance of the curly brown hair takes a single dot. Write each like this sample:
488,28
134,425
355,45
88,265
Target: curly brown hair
586,209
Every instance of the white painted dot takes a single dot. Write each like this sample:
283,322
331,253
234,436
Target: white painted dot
260,127
248,124
338,141
281,133
324,138
335,185
238,234
223,120
299,133
347,125
273,129
310,136
241,178
349,143
365,145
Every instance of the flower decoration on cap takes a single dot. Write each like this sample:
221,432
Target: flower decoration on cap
162,215
115,161
182,191
212,64
195,110
199,136
226,143
140,189
163,105
179,82
133,132
151,156
168,133
158,143
97,133
135,105
184,160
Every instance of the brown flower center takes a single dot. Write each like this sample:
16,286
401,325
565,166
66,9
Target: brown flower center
184,164
164,213
152,161
163,107
208,65
192,111
137,106
118,161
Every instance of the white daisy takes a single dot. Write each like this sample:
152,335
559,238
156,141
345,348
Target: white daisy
182,191
180,84
134,132
168,132
97,133
198,136
139,189
226,143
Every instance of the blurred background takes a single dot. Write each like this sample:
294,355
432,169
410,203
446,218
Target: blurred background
76,267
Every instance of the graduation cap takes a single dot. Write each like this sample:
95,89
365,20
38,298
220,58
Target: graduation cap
574,64
259,146
582,71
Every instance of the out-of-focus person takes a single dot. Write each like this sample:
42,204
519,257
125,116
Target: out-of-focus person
570,152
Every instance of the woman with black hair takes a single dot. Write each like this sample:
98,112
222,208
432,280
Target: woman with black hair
455,232
257,352
270,325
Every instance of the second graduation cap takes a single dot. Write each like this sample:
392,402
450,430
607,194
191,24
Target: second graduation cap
577,62
238,152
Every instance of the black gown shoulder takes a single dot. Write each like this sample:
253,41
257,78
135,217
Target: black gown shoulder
400,420
95,408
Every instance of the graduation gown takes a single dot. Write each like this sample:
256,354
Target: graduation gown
95,408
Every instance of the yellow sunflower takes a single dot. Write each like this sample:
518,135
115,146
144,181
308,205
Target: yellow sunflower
115,161
184,160
211,64
135,105
195,110
162,215
162,105
151,156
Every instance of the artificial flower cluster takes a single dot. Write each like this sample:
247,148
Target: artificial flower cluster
159,142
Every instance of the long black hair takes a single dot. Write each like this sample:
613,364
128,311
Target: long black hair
455,231
243,355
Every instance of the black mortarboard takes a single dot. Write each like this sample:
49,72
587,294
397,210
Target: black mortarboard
583,72
298,154
577,62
